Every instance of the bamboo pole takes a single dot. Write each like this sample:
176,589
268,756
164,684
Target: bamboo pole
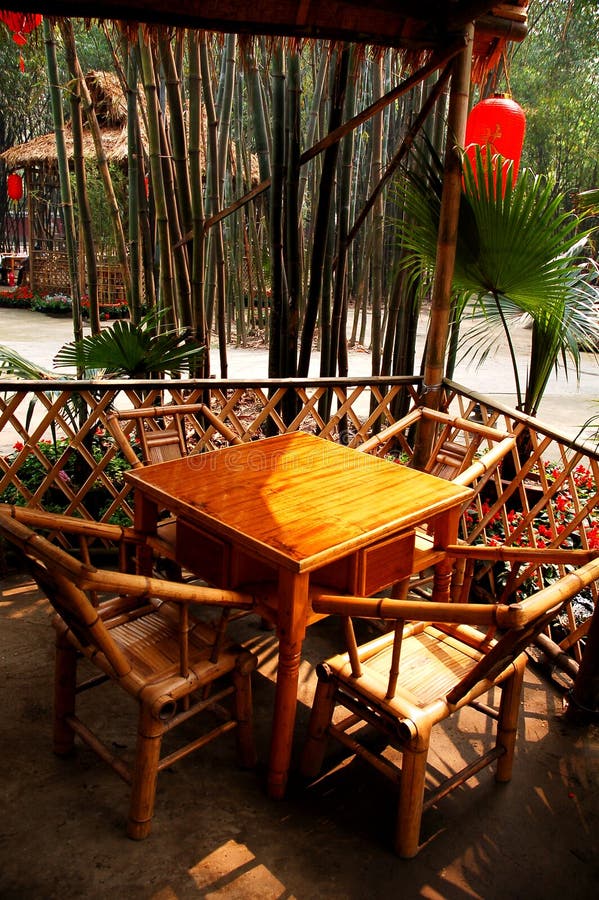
63,169
198,251
68,36
446,243
85,216
151,93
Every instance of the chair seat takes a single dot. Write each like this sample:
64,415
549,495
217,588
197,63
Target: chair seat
431,664
152,646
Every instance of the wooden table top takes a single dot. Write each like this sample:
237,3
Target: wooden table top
295,499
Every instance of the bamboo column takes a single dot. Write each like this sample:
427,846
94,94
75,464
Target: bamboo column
446,242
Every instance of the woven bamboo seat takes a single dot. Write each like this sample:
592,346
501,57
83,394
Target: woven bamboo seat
409,680
139,634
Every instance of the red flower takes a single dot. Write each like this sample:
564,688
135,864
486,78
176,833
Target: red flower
593,537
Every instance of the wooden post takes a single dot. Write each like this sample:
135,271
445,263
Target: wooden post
446,244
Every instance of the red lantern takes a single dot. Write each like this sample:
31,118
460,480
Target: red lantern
14,186
497,123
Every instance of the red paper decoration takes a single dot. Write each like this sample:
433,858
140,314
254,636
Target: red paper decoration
14,186
497,123
21,24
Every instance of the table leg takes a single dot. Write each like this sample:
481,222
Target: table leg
293,605
146,519
446,532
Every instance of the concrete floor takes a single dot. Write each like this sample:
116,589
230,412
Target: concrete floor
217,835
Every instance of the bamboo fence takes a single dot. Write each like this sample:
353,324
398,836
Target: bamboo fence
544,495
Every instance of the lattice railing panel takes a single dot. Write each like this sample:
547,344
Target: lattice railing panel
545,494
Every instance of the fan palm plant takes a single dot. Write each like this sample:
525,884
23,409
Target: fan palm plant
516,253
131,350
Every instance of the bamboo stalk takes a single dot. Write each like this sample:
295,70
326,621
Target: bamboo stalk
68,36
63,169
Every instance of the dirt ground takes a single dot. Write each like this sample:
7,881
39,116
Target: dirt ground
217,835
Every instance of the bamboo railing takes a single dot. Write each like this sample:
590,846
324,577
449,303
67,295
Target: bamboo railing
544,495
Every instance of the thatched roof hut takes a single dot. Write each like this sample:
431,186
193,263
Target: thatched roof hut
111,111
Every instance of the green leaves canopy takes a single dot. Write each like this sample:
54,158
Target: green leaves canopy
517,252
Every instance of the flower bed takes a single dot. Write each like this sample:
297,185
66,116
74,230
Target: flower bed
58,304
16,299
53,304
559,525
117,310
551,522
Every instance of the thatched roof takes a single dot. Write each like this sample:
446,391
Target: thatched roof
42,149
111,111
108,98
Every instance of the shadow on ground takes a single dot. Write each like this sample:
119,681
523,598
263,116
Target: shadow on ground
217,835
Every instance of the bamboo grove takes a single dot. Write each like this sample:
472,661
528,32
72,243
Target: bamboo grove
258,202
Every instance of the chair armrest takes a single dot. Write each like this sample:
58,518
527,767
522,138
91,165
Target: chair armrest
487,463
39,518
174,591
122,441
518,615
507,553
387,433
413,610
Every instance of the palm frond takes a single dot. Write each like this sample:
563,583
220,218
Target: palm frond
131,350
517,252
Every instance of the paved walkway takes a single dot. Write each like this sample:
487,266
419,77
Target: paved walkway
566,406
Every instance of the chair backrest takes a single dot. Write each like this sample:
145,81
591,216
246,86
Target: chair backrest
456,443
162,430
523,622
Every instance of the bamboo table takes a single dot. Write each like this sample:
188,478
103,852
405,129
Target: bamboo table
293,510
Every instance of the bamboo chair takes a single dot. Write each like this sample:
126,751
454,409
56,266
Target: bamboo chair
161,431
162,435
456,443
411,679
139,634
454,458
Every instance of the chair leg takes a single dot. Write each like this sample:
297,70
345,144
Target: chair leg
507,725
320,719
411,798
65,679
145,775
246,747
